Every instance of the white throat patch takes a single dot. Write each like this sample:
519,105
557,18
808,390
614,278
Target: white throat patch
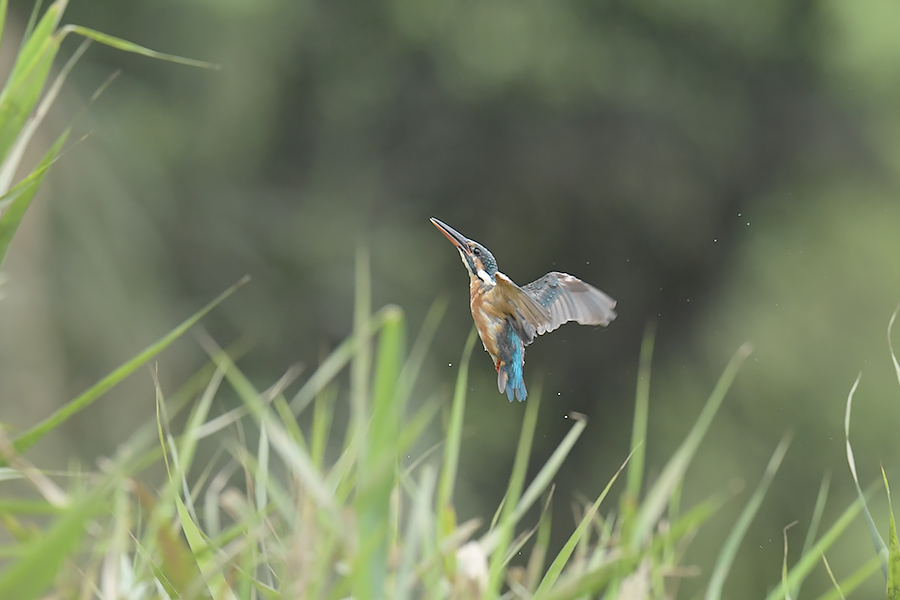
462,257
481,274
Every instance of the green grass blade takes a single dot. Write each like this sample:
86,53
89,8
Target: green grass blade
185,396
32,19
849,584
736,536
332,365
784,561
658,496
544,477
419,350
814,522
279,403
17,150
27,78
378,459
519,542
592,581
40,560
33,435
670,553
496,518
215,579
294,455
834,582
2,17
880,546
38,32
192,429
808,561
323,415
893,580
891,343
362,360
278,499
639,427
538,556
162,424
27,507
24,184
127,46
418,539
389,363
516,483
562,558
414,427
12,217
453,439
598,578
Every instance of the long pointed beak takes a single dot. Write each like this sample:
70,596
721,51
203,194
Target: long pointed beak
455,237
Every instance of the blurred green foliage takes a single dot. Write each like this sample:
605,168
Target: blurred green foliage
727,171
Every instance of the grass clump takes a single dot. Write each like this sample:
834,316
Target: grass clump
276,519
334,512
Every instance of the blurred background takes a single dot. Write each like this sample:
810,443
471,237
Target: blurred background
726,171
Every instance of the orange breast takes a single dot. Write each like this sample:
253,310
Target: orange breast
488,320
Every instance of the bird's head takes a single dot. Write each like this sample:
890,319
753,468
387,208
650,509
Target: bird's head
478,260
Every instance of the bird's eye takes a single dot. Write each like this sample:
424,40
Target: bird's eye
476,251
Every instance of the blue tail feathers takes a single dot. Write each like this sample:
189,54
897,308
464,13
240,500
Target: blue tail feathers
509,377
515,387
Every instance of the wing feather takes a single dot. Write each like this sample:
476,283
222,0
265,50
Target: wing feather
568,298
527,312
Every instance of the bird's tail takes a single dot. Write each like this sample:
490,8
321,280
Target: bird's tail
511,381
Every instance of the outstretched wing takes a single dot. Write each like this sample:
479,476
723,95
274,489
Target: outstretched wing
528,316
568,298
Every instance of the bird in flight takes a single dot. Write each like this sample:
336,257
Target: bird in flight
509,317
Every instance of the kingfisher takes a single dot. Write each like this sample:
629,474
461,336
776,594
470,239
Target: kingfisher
509,317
